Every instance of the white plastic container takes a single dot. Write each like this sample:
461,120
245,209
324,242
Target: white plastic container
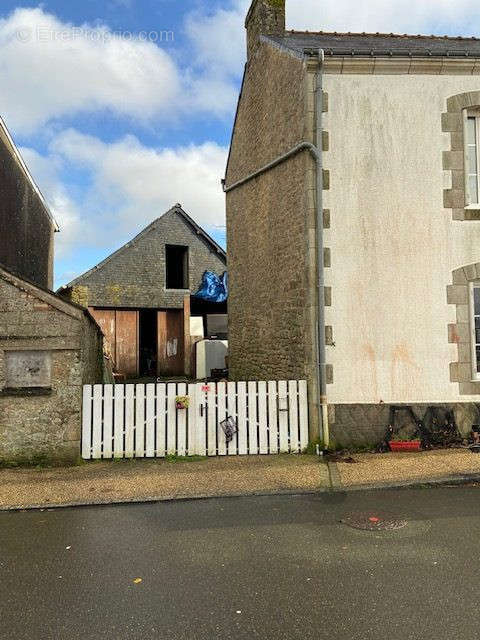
211,354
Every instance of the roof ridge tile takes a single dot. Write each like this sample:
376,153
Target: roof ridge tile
381,35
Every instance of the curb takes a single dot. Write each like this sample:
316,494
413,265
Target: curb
335,477
455,480
157,500
336,487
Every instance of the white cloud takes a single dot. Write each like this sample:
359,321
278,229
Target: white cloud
458,17
133,184
215,96
62,206
219,38
218,46
50,69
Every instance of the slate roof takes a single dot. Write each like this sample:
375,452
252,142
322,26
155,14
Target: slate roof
177,208
379,44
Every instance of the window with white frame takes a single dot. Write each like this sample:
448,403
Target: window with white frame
472,158
475,327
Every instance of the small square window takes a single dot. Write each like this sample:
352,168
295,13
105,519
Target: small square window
176,267
28,369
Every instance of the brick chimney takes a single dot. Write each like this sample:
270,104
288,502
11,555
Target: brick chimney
265,17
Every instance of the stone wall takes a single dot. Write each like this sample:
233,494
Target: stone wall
365,425
272,111
93,364
271,226
26,229
265,17
44,423
134,277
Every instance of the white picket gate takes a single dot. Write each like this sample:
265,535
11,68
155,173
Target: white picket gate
142,421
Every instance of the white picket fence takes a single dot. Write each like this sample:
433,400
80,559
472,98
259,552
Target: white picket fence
142,421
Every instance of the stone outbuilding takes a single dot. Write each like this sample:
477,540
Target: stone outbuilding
49,348
142,296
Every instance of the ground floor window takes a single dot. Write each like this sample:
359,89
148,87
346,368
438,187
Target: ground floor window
475,327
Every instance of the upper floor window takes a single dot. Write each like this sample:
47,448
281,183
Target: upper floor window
472,158
176,267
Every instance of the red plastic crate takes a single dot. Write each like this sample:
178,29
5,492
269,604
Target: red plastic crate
413,445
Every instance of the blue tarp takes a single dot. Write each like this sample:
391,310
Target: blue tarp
213,288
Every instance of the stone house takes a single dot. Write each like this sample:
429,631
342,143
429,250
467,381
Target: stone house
353,221
26,224
141,295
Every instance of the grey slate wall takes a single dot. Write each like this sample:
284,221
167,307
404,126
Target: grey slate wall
26,230
135,276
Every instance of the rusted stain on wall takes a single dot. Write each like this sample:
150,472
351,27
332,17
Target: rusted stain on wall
369,353
403,370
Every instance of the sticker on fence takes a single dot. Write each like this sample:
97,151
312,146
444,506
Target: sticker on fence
229,427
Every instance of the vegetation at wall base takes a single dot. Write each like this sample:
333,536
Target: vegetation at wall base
37,461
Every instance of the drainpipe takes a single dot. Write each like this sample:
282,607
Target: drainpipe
316,152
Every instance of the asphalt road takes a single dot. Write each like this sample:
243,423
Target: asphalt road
262,567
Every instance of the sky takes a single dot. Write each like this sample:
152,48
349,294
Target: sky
122,108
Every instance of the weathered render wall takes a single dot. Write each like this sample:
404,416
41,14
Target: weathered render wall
45,423
394,246
135,277
271,224
26,230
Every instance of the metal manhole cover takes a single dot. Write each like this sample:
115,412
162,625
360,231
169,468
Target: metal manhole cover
373,521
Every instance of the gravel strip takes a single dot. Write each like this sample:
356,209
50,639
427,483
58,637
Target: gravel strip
377,468
135,480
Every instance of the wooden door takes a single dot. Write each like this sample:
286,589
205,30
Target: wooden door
127,347
105,318
170,343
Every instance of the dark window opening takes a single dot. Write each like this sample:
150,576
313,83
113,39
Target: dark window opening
176,267
148,343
